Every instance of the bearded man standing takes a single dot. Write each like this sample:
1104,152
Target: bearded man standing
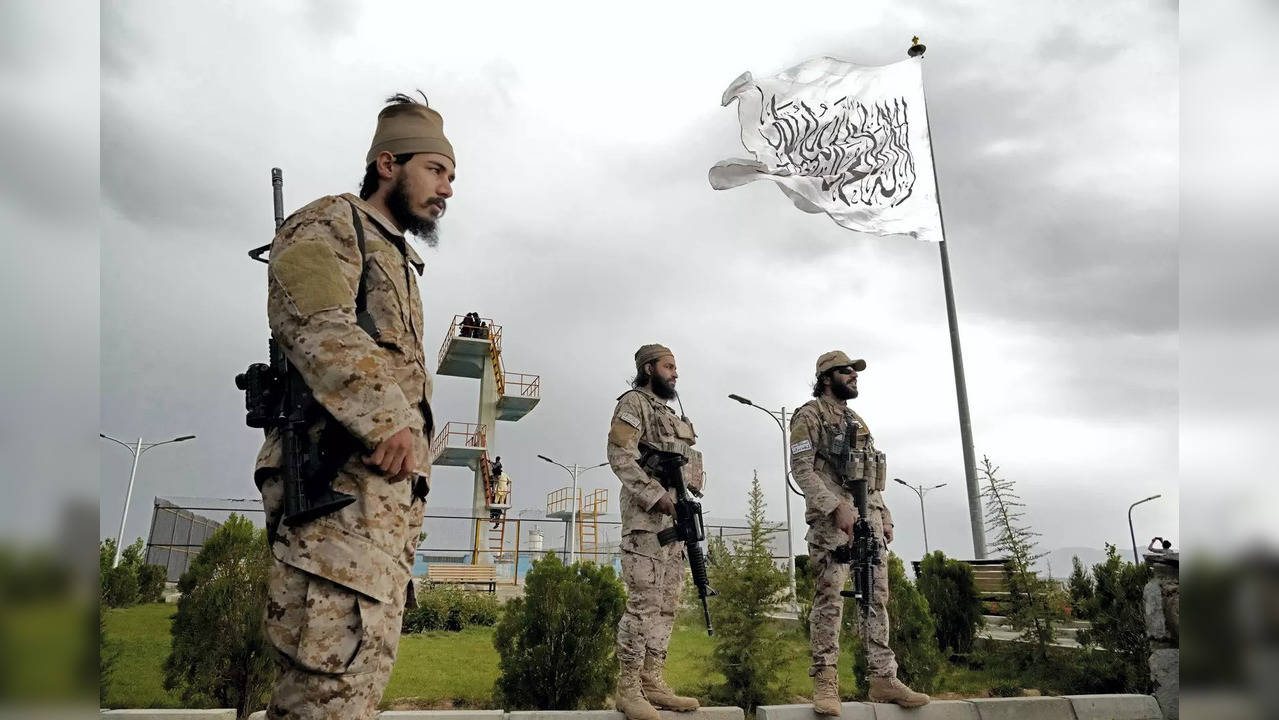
344,306
817,429
654,574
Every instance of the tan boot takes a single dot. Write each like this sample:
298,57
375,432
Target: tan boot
892,690
630,699
659,693
826,692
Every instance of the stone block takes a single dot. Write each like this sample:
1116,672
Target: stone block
705,713
852,711
1165,670
441,714
935,710
167,714
1115,707
1024,708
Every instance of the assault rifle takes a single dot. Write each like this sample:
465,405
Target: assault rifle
275,396
667,467
862,552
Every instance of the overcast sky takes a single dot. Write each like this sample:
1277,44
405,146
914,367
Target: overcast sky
584,224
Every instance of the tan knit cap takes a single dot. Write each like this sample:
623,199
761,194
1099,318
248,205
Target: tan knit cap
649,353
409,128
837,358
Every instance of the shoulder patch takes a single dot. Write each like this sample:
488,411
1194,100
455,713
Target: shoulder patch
311,275
799,447
629,419
623,435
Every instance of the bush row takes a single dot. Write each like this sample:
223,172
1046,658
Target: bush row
446,607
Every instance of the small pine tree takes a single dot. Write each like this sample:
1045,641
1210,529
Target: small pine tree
951,591
1034,608
556,643
1079,586
220,656
748,643
1117,611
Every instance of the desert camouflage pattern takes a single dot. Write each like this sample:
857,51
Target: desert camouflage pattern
641,416
654,575
338,583
811,429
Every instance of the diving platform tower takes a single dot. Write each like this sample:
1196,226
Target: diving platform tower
476,352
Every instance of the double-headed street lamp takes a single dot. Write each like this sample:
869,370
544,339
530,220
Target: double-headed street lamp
1132,534
136,450
575,470
921,491
779,417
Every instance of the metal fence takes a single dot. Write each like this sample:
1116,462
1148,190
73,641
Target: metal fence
448,536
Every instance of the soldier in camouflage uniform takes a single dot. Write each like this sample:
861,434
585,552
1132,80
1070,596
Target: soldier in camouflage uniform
350,322
654,575
830,515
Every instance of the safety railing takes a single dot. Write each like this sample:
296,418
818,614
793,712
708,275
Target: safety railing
523,384
595,502
459,328
458,433
560,501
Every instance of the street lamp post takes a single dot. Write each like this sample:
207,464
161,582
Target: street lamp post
575,471
136,450
1132,535
779,417
921,491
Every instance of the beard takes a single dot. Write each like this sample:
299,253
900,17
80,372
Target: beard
661,387
422,227
841,389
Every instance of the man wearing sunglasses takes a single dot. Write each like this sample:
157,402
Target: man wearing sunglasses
818,428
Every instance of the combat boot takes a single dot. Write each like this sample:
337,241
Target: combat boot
892,690
826,692
659,693
630,699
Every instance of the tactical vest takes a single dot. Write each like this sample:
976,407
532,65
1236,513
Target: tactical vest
664,430
865,462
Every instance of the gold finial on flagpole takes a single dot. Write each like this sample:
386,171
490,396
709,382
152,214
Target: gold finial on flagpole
916,48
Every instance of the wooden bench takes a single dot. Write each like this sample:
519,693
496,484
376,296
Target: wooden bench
459,574
991,580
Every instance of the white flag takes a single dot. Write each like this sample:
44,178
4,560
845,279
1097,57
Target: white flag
847,140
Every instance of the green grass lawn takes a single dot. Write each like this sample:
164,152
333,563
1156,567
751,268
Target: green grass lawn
437,670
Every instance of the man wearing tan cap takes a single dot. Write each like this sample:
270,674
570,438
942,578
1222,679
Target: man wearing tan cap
818,428
654,575
343,304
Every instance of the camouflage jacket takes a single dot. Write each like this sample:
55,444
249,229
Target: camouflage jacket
373,381
642,417
812,427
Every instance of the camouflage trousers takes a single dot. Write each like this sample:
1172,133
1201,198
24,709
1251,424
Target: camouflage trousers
336,646
654,577
828,611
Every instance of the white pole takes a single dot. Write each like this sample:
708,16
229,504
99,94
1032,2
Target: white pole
572,524
128,495
790,549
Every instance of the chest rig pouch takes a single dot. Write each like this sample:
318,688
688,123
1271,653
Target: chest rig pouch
852,456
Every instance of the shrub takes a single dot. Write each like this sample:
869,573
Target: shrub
556,642
447,607
151,583
748,644
911,634
1079,587
951,592
1117,611
220,656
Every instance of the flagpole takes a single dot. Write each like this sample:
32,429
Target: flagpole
961,386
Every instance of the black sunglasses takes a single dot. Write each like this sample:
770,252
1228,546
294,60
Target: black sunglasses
845,370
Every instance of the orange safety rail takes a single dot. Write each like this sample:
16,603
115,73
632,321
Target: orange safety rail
458,433
595,502
560,501
455,331
525,385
